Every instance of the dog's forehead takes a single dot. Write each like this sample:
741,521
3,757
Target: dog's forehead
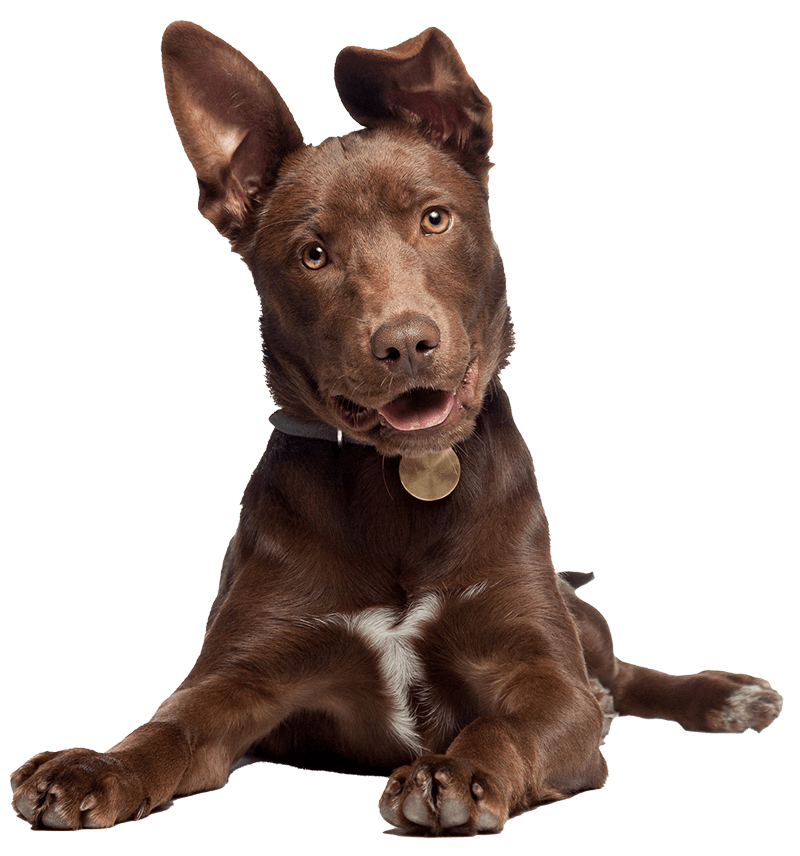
366,169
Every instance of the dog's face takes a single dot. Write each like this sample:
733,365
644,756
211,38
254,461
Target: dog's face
383,295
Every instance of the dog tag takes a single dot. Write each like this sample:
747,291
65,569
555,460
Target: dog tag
431,476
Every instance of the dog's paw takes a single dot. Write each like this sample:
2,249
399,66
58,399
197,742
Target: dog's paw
77,789
441,795
747,703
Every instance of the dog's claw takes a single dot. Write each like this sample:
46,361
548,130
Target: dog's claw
89,802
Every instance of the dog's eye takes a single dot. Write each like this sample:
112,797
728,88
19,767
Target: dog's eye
315,257
435,221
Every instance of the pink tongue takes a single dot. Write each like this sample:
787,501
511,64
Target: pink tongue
421,408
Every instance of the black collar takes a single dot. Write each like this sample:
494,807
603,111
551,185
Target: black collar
311,430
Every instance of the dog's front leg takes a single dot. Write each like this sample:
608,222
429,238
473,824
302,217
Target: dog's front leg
79,788
539,742
188,746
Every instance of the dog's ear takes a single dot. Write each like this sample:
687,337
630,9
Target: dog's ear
421,82
232,122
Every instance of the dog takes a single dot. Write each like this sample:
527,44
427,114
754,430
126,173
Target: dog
388,604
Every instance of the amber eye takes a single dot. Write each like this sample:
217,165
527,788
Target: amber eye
315,257
435,221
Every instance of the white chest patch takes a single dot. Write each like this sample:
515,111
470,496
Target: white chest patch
391,637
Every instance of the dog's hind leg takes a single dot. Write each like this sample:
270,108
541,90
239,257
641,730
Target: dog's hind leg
707,701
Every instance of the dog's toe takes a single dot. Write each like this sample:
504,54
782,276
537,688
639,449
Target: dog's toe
441,796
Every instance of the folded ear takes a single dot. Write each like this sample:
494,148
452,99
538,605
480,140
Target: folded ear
421,82
232,122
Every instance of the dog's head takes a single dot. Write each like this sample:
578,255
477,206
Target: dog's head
383,294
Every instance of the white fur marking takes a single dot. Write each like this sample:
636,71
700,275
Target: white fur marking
606,702
475,590
391,636
747,705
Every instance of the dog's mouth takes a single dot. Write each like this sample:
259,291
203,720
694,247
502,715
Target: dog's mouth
417,409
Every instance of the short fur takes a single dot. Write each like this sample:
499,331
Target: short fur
358,628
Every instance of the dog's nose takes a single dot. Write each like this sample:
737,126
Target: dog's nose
406,347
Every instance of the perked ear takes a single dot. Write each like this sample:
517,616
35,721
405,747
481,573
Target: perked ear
232,122
421,82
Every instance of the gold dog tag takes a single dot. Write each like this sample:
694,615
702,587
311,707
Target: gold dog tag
431,476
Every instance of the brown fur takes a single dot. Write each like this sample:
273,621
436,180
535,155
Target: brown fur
358,628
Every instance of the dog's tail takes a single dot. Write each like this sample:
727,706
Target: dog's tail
576,579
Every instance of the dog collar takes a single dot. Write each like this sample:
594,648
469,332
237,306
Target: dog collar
311,430
429,478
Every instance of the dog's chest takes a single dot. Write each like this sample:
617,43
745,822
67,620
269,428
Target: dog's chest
413,706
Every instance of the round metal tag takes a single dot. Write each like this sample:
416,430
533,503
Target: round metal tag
431,476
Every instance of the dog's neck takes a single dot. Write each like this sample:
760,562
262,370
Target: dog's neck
428,478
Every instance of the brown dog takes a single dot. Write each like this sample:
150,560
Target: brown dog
388,602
